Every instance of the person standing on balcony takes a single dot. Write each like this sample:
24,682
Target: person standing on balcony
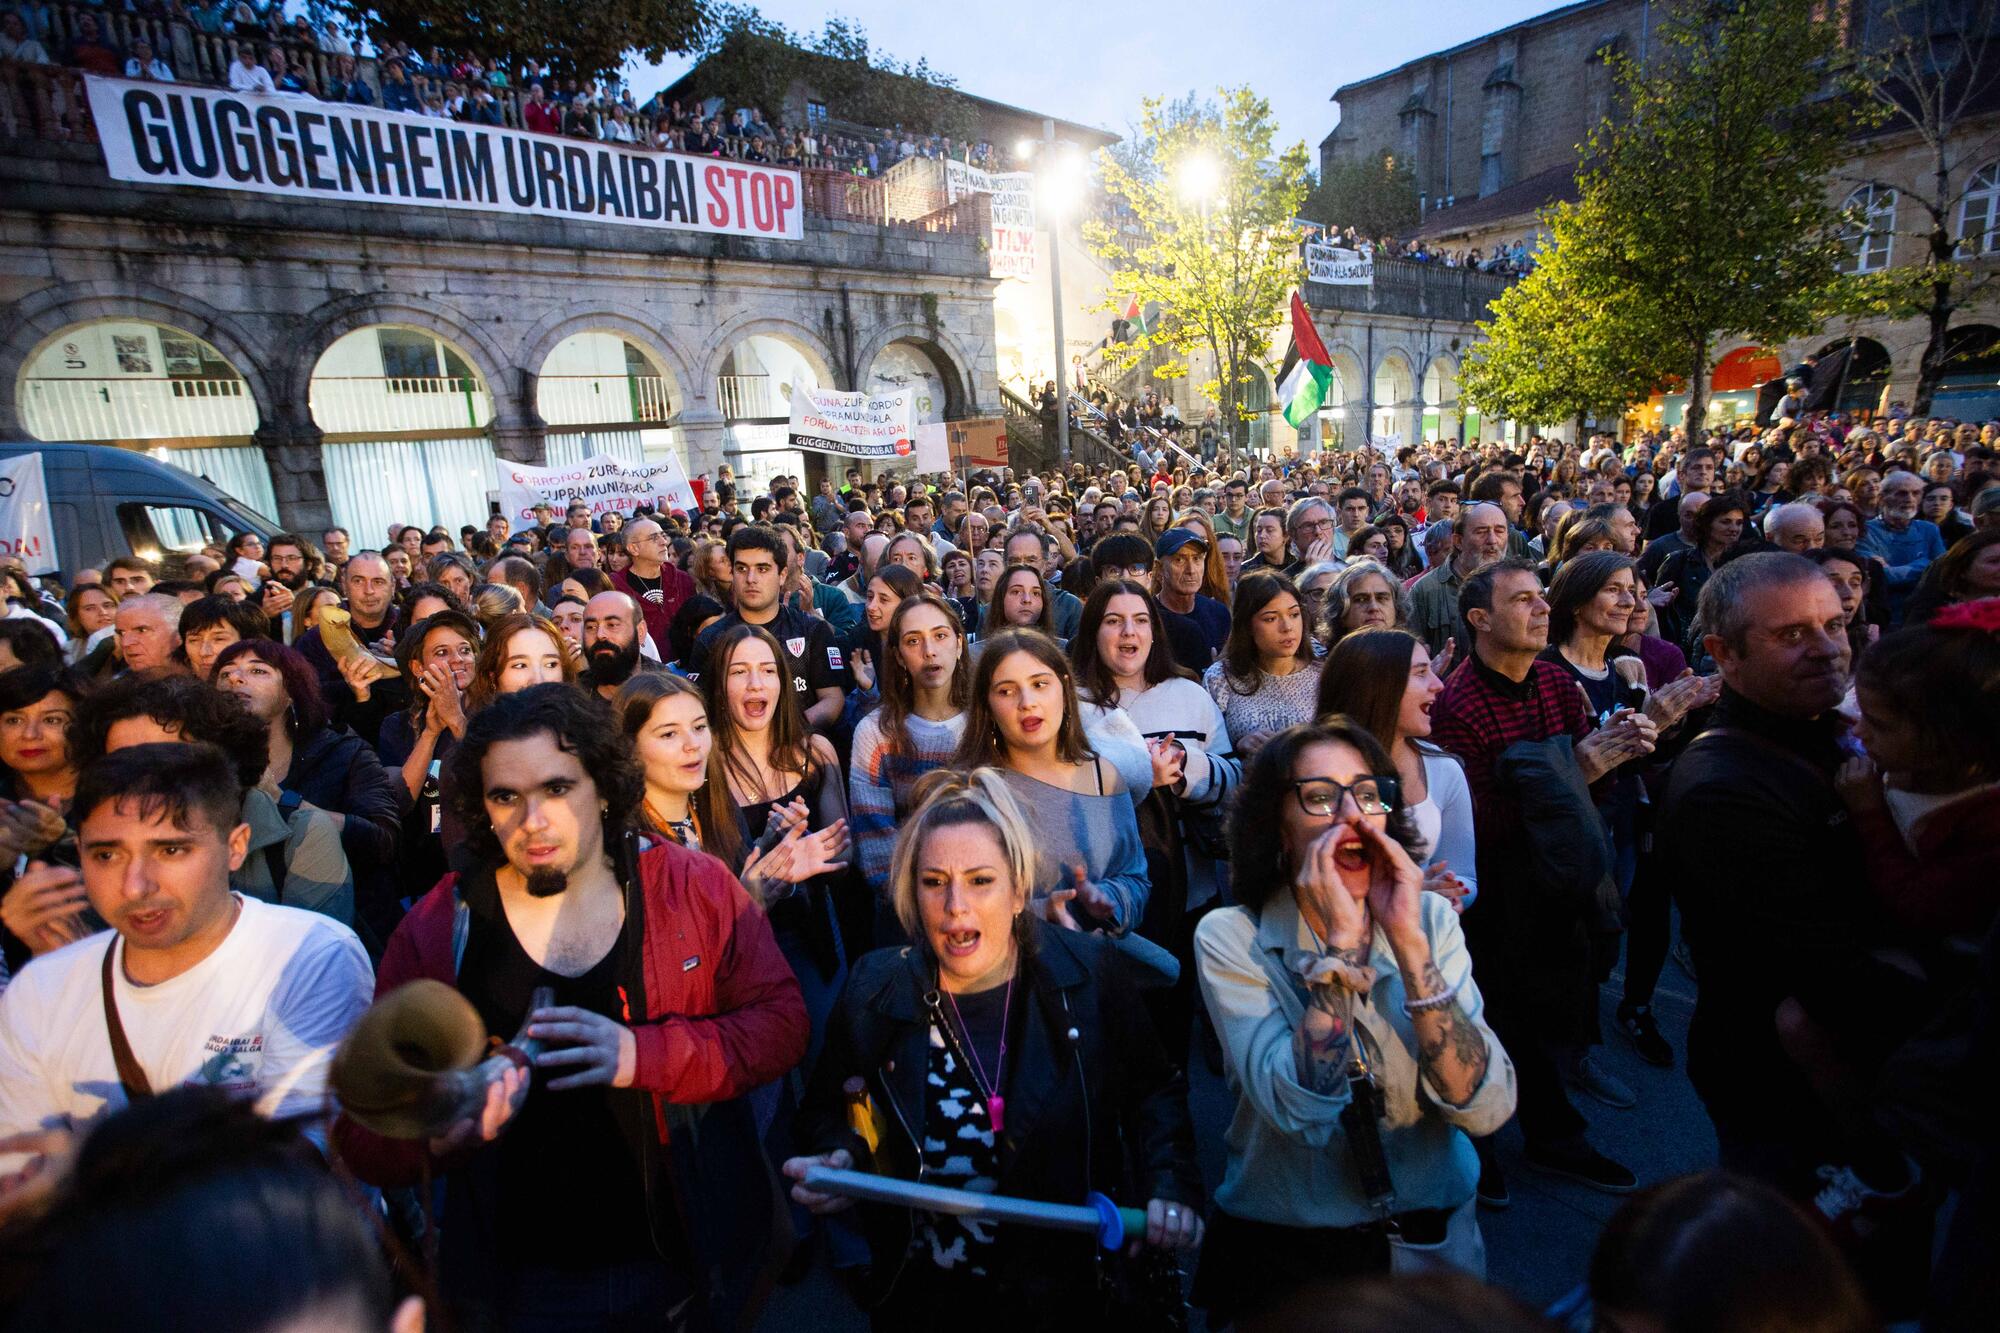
247,76
537,115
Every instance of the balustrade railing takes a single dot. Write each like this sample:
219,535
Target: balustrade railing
394,404
596,400
134,408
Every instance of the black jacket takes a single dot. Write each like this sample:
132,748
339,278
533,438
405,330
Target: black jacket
1093,1103
338,771
1768,871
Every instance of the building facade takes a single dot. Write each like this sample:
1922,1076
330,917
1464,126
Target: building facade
1491,129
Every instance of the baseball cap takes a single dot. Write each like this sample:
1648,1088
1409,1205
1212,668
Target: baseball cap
1174,538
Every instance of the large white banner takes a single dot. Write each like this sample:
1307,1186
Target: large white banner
604,483
1337,267
26,530
853,425
1013,239
175,134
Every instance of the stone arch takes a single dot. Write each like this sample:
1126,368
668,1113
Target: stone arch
724,337
40,318
1437,396
333,321
1393,391
945,352
600,316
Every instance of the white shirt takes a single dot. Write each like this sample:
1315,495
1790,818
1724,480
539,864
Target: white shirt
251,79
260,1016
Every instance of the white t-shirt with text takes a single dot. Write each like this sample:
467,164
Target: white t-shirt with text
260,1016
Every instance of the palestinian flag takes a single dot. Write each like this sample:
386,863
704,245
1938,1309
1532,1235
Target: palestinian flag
1308,370
1136,314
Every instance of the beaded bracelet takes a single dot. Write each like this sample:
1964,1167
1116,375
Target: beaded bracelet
1411,1008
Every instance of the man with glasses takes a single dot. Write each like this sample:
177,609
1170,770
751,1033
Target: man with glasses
1310,526
1236,516
656,585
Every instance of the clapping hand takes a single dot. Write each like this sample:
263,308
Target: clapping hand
1627,736
44,907
1681,696
28,827
1169,762
276,598
1080,896
1438,879
446,706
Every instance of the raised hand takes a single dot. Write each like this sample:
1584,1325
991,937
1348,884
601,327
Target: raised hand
44,907
862,664
27,827
1322,889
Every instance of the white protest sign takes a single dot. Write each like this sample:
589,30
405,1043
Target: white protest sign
26,531
1013,238
853,425
606,484
1336,267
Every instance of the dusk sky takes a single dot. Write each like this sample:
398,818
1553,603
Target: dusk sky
1092,63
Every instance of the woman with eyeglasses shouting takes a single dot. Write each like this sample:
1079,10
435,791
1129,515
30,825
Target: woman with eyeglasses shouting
1353,1034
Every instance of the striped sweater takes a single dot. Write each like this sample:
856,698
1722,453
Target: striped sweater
879,784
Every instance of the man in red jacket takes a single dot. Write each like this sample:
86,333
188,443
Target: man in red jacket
577,1190
656,584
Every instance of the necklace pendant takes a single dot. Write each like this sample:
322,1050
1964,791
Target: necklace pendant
996,1109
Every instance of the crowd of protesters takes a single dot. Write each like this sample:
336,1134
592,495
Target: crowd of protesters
453,85
1512,259
938,827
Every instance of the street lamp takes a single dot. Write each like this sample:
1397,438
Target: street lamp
1199,178
1060,187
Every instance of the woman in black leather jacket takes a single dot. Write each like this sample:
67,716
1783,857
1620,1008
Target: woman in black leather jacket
1002,1054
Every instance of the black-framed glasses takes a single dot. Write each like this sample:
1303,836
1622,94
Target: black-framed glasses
1323,796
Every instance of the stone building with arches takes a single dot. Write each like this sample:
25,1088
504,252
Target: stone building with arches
1489,128
368,364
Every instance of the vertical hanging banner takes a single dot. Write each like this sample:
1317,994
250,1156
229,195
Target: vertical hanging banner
853,425
606,484
1013,238
211,138
26,530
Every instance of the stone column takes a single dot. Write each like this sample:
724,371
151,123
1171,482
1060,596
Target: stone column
522,439
704,441
298,473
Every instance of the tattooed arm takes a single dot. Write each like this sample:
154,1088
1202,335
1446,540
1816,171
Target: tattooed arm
1321,1040
1451,1049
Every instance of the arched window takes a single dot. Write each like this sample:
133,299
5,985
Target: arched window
1868,235
1979,212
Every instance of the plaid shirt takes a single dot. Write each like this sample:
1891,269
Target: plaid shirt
1481,712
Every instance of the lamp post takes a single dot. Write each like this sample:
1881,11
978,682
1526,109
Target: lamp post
1048,145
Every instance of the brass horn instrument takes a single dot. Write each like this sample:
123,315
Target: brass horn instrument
336,633
412,1067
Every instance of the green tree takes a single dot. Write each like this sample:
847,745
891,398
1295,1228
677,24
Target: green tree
1704,212
1218,261
1539,361
585,38
750,60
1931,76
1377,196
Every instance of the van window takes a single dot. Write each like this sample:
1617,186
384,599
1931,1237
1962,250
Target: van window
155,530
